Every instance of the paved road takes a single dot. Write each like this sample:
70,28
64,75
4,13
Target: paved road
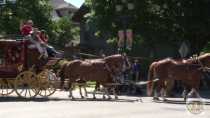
59,106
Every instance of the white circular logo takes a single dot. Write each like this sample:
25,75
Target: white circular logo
195,106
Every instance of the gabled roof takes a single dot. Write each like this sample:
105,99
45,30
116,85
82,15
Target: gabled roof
79,15
60,4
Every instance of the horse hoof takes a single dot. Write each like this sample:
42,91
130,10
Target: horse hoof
109,98
116,97
164,99
155,98
185,99
71,97
82,97
104,97
94,98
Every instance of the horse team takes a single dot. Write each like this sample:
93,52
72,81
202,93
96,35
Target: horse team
189,71
105,72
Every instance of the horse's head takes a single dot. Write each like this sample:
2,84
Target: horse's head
204,60
117,63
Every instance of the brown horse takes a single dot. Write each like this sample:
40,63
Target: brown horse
98,70
170,69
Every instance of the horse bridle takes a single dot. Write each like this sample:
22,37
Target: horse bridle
203,67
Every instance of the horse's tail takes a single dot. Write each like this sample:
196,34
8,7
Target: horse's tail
150,79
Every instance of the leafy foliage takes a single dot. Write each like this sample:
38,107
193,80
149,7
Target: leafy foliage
171,21
60,32
63,32
12,14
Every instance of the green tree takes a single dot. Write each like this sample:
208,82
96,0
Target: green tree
60,32
13,13
63,32
158,21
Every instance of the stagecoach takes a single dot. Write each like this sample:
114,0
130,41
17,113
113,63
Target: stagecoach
23,70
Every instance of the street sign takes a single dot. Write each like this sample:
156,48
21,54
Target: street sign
183,50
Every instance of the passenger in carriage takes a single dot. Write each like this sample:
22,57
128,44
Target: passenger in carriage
39,44
44,39
33,35
26,28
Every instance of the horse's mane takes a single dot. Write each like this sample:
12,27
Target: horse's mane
204,56
165,60
113,56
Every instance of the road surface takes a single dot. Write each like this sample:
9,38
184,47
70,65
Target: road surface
60,106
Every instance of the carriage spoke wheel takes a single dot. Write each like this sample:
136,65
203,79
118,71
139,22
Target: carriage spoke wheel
26,85
47,83
6,87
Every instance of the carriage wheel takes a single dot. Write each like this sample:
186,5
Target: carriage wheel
6,87
26,85
47,83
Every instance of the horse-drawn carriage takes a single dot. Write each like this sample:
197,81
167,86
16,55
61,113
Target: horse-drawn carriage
22,72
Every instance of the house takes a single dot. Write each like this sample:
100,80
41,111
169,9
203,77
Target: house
62,8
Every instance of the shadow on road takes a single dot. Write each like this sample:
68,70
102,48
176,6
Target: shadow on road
18,99
167,101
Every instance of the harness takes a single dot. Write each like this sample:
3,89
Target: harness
203,67
106,66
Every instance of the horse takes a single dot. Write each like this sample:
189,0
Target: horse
100,70
117,65
79,71
170,69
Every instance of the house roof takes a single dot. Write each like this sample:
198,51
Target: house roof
79,15
60,4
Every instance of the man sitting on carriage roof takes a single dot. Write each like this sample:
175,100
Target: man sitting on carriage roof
38,38
26,28
44,40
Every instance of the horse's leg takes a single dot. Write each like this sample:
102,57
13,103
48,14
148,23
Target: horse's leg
194,89
86,94
107,93
184,94
156,89
163,90
70,91
115,93
80,91
104,92
94,94
97,86
187,86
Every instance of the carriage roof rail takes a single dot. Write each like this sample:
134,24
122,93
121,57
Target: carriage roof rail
12,37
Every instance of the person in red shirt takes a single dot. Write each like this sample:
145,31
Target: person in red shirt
26,28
